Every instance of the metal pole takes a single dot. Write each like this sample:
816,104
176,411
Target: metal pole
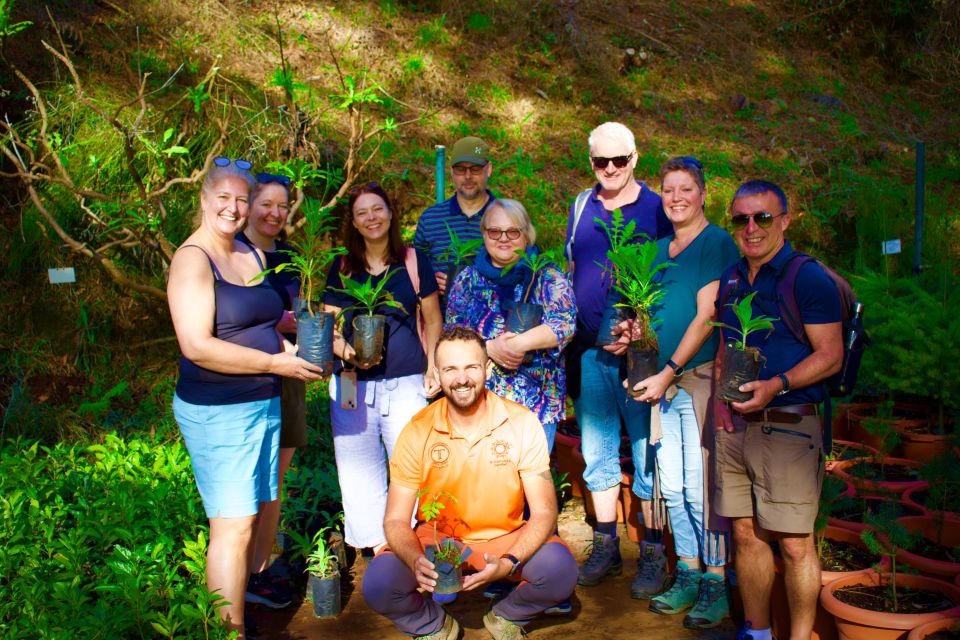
918,221
441,164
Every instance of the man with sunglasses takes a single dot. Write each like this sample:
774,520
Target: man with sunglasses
470,169
769,456
593,372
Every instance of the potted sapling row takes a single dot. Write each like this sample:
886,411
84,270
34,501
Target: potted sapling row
634,270
310,261
620,234
368,327
525,315
323,565
458,255
741,364
448,554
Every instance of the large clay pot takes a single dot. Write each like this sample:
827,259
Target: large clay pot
842,420
842,470
568,462
854,623
857,527
924,630
911,496
851,537
917,443
944,532
845,450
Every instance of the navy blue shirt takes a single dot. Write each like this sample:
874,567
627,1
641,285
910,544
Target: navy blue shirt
819,303
590,245
285,282
431,236
403,353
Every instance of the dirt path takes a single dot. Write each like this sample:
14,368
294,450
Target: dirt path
604,611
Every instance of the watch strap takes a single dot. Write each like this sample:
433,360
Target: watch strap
514,560
786,384
677,369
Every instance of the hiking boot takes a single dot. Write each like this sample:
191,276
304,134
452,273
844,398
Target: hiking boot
449,631
604,560
501,628
712,604
651,571
682,595
265,589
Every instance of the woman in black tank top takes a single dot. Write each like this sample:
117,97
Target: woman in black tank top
227,397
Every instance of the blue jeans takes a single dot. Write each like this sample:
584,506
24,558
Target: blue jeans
681,473
363,440
602,402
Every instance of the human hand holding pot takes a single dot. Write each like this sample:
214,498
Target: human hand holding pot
626,332
655,385
349,355
503,353
493,571
288,365
423,569
763,392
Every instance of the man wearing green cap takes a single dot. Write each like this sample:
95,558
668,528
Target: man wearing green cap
470,169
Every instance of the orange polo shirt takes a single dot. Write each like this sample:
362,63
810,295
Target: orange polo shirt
483,474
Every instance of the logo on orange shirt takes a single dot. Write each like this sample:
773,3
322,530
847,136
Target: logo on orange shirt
439,454
501,452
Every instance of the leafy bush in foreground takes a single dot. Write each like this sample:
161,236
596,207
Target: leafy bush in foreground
102,541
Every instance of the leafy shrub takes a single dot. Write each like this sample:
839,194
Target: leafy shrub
106,540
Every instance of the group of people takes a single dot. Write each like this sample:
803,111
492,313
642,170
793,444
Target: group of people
733,477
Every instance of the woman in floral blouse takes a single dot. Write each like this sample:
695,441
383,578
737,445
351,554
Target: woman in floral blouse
527,367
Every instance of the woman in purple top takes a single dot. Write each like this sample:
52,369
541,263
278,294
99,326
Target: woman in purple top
482,296
227,400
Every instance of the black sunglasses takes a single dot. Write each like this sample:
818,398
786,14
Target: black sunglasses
363,188
619,161
762,219
243,165
268,178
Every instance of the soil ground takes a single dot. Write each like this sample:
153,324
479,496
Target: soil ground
604,611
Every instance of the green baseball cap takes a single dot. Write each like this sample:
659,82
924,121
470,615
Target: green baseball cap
470,149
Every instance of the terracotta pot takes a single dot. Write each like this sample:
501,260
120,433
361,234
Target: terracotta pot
857,527
854,623
851,537
930,528
568,462
841,470
905,415
910,496
924,630
843,426
917,444
840,446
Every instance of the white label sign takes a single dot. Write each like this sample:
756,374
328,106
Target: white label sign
890,247
62,276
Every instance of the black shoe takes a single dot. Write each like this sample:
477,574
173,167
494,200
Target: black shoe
262,588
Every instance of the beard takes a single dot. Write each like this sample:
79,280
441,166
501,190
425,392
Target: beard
463,397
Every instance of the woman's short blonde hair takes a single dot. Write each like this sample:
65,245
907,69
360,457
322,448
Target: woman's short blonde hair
517,214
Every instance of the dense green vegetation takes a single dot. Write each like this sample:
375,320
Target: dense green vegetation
117,114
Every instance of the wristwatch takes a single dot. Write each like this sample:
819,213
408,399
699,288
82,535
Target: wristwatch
677,369
786,384
514,560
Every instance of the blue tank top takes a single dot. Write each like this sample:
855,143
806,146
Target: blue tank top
246,316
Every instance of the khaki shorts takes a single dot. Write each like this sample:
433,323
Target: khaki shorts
293,413
772,471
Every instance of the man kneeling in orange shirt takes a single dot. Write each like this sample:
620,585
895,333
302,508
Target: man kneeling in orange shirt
491,455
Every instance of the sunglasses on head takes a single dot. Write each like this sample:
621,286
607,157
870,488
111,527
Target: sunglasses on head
243,165
361,189
762,219
268,178
618,161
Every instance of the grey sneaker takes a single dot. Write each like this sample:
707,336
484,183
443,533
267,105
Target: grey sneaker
651,571
449,631
712,604
604,560
501,628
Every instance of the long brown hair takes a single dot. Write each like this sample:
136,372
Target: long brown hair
355,261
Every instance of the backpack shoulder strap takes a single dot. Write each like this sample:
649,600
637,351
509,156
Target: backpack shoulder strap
729,283
787,294
578,207
413,268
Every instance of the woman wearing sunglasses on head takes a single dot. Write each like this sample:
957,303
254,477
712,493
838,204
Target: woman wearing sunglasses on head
482,296
371,404
269,208
227,400
681,393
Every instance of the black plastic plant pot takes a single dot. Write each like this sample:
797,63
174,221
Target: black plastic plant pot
368,339
325,594
641,364
739,367
449,577
612,316
524,316
315,339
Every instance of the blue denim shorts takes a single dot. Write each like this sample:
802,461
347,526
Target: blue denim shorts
234,450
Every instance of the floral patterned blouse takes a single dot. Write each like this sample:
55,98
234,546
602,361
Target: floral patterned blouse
540,384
